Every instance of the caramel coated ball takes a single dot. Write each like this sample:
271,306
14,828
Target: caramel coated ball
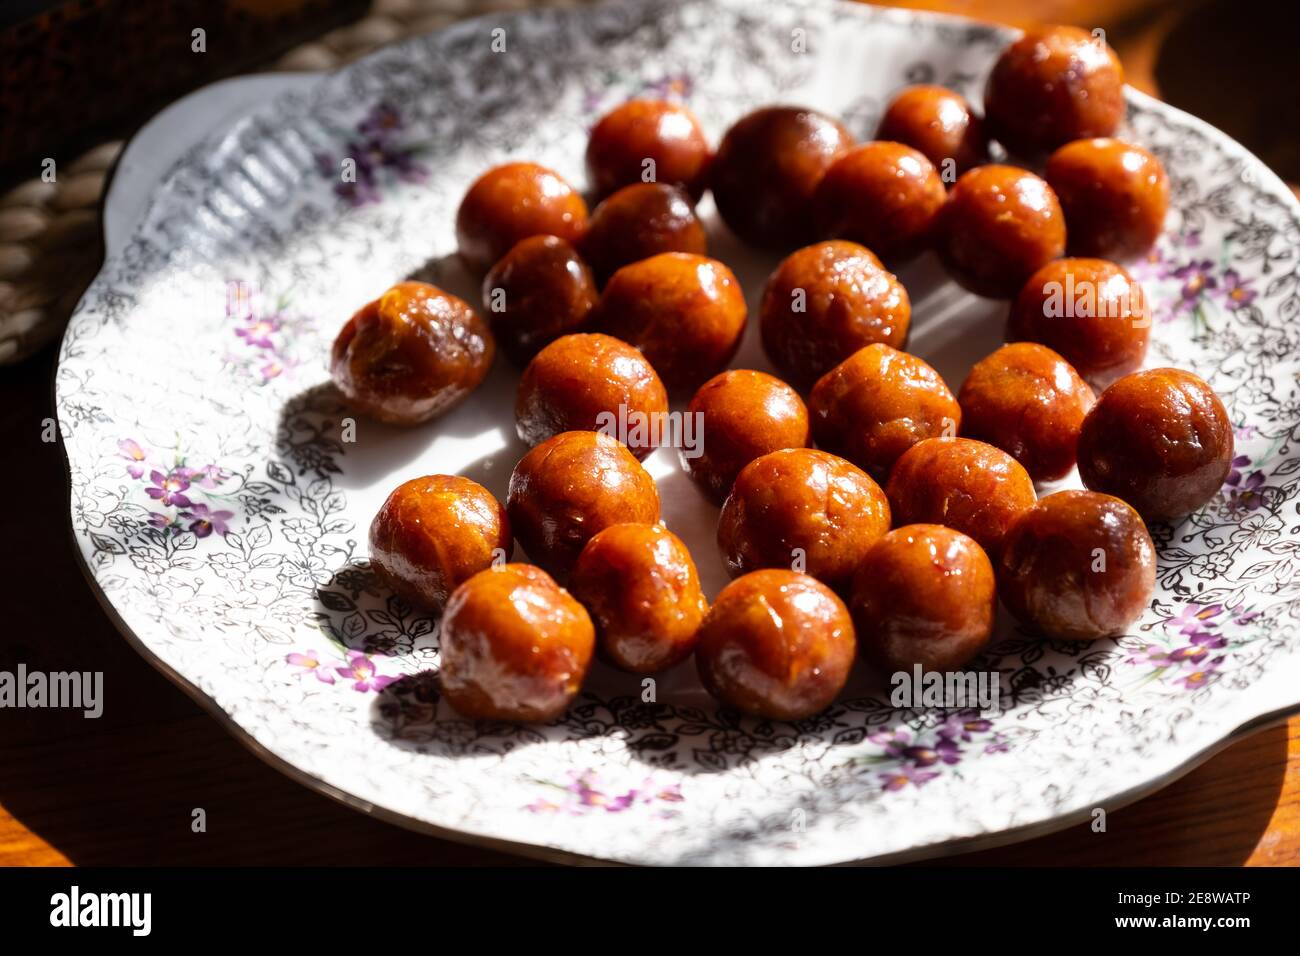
541,289
767,168
1028,401
925,594
590,382
939,123
515,646
1053,85
776,644
877,404
1001,224
434,533
569,488
640,221
884,195
642,590
745,415
964,484
1091,312
411,355
1160,440
510,203
1114,194
648,137
1078,566
685,312
826,301
805,509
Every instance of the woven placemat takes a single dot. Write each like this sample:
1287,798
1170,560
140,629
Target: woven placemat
51,242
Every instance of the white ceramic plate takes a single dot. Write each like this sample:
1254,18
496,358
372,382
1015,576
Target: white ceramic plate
223,519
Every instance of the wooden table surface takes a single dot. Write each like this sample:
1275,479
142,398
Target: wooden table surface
121,789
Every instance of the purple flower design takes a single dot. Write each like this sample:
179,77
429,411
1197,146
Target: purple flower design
900,777
1197,281
169,489
1200,676
1247,494
373,150
160,521
311,663
361,670
258,332
209,476
130,449
586,792
962,726
1236,291
203,520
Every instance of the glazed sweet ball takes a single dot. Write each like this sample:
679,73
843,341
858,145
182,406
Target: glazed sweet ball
514,646
1091,312
826,301
648,141
925,594
1053,85
569,488
411,355
877,404
1028,401
585,382
745,415
776,644
513,202
964,484
1078,566
804,509
1001,224
1160,440
685,312
434,533
767,168
1114,195
884,195
640,221
939,123
641,588
541,289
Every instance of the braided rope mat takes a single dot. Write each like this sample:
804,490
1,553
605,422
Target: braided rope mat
51,243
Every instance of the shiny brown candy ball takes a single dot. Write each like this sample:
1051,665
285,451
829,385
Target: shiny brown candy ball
510,203
685,312
803,509
569,488
1091,312
434,533
1114,195
1078,566
1001,224
640,221
767,167
1160,440
884,195
744,414
1028,401
411,355
939,123
964,484
541,289
776,644
826,301
648,138
514,645
924,595
877,404
641,588
1053,85
590,382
